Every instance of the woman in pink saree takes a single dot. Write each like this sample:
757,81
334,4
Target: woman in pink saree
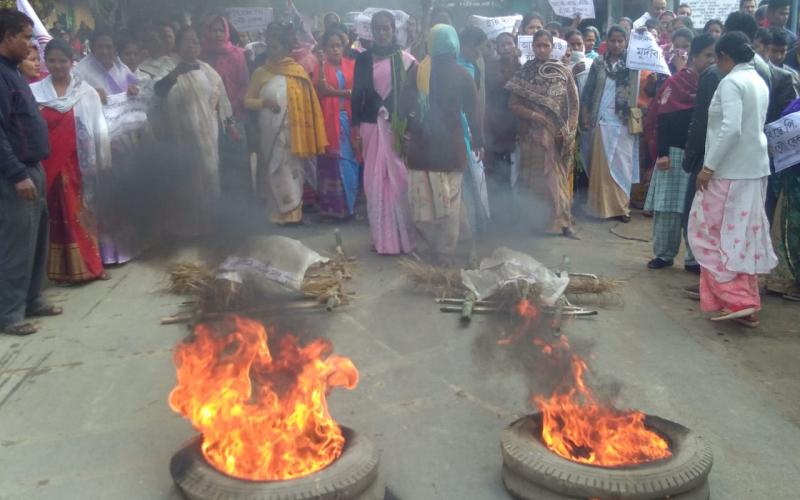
378,130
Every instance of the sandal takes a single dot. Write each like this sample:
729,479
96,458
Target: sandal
727,315
105,276
749,321
46,310
20,329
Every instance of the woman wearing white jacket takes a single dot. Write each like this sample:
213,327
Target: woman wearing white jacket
728,227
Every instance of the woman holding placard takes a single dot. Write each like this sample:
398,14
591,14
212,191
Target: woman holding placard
608,96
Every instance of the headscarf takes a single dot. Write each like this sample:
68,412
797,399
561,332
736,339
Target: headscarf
229,61
306,123
442,41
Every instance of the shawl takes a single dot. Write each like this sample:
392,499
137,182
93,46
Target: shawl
677,94
229,62
114,81
90,123
548,88
306,123
601,70
331,105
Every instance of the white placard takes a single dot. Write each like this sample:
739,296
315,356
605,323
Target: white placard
644,53
704,10
569,8
363,24
525,46
250,18
125,113
559,48
494,26
784,141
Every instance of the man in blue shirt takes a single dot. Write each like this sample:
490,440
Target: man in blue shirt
24,220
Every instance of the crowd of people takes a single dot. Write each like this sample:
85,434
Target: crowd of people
418,132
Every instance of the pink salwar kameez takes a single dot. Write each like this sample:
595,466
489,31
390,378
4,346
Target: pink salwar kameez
729,234
385,176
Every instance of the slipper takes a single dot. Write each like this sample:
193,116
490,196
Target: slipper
726,315
105,276
46,310
20,329
750,323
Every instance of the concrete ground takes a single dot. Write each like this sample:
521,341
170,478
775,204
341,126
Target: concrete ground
83,411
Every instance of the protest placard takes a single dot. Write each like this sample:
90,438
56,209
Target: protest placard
570,8
494,26
704,10
644,53
125,113
559,48
249,18
525,46
783,136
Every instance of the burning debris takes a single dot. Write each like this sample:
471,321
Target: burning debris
262,417
598,447
265,429
266,269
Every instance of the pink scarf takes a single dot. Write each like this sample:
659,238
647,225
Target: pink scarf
229,61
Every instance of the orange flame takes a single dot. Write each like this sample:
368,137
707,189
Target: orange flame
262,418
578,427
529,314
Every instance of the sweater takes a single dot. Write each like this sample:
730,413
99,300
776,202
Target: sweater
736,146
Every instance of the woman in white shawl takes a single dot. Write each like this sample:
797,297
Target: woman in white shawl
195,106
115,82
80,148
103,70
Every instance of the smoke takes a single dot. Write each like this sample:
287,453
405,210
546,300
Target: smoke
154,189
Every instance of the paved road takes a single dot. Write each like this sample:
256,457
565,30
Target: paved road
83,410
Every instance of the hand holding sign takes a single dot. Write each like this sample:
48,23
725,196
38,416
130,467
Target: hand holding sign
572,8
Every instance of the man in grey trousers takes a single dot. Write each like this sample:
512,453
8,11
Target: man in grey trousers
23,210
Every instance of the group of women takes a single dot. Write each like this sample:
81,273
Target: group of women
420,129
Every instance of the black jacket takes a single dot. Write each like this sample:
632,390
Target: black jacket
23,131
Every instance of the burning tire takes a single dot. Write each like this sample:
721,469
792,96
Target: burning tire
353,476
532,472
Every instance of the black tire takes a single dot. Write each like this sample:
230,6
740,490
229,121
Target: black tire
522,489
527,460
353,476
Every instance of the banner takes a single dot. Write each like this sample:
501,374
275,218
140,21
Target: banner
644,53
40,33
125,113
570,8
494,26
249,18
704,10
783,136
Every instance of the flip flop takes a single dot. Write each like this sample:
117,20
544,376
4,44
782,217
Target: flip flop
46,310
20,329
728,315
